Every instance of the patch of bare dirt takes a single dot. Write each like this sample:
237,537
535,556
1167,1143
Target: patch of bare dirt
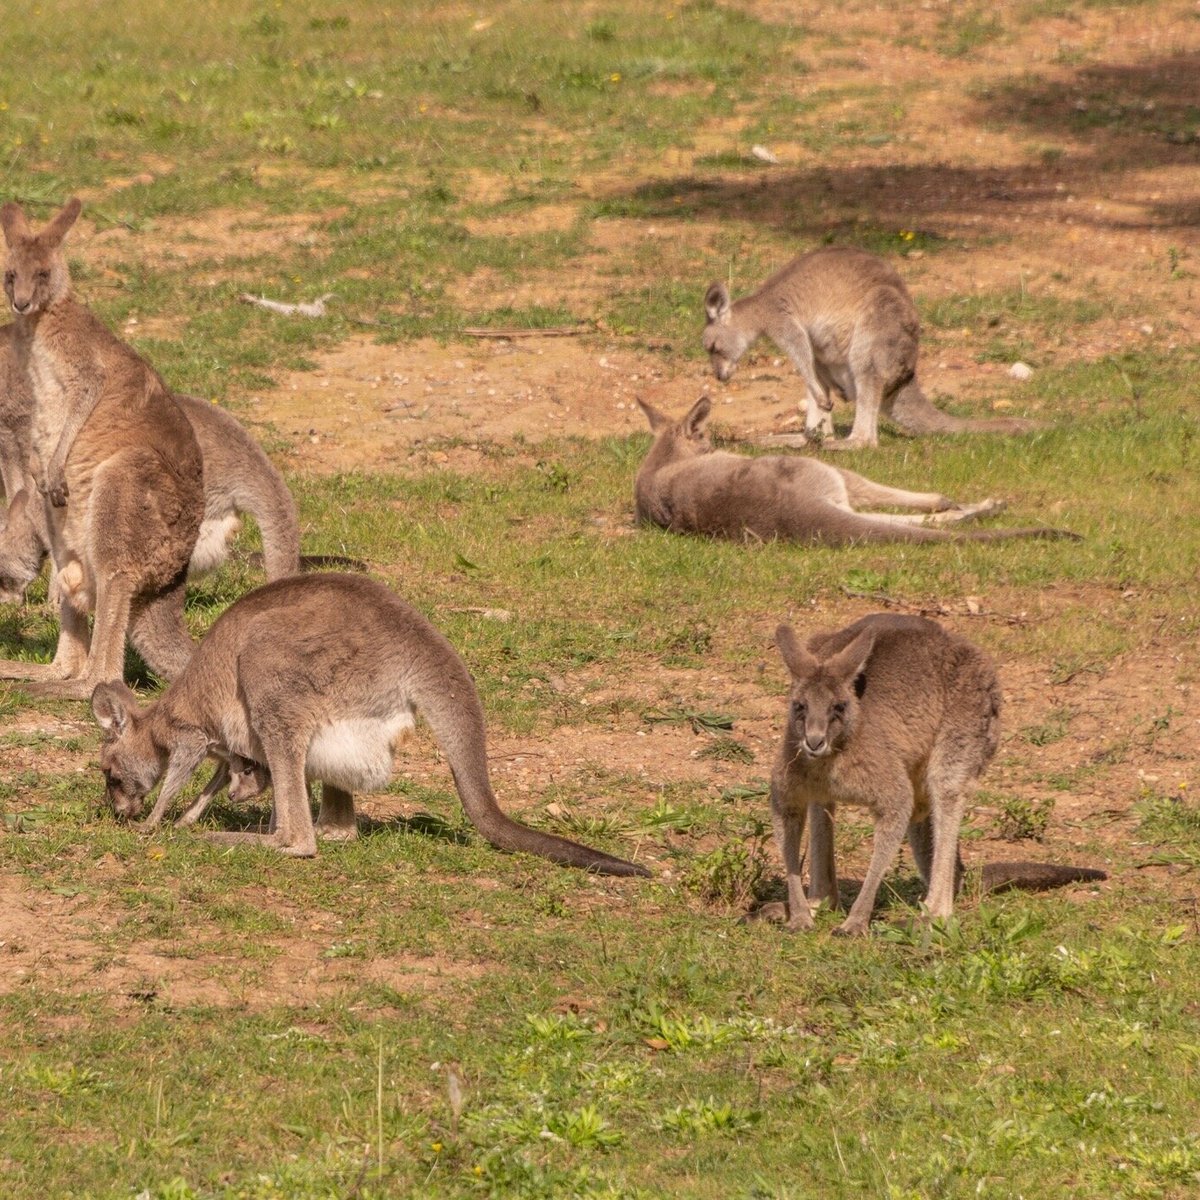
214,236
63,941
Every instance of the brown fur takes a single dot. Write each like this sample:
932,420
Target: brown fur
897,715
688,487
847,322
238,478
315,676
117,462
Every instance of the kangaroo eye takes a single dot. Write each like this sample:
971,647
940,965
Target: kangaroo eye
839,709
799,708
42,276
9,276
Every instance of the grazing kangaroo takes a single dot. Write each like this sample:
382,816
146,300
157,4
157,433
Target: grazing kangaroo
897,715
846,321
688,487
314,676
105,434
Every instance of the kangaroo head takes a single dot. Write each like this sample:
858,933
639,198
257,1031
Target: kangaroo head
21,550
824,704
130,759
35,268
680,439
724,341
247,779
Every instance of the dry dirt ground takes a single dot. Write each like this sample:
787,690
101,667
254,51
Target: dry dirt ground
1098,219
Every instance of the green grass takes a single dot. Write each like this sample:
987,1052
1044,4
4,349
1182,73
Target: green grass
415,1013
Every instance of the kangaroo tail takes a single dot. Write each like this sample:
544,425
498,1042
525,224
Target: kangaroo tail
1034,877
269,502
914,414
451,706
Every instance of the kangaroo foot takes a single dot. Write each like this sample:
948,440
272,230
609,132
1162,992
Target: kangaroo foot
967,512
63,689
774,913
269,841
790,441
12,668
336,833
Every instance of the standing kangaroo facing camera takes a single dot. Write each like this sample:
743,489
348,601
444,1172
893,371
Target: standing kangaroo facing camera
686,486
117,464
896,715
316,677
846,321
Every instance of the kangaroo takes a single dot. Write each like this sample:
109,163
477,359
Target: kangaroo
846,321
314,676
105,433
897,715
238,478
686,486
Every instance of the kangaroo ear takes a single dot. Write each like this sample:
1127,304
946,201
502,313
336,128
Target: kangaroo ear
657,419
63,220
113,706
795,656
849,664
12,221
716,303
697,418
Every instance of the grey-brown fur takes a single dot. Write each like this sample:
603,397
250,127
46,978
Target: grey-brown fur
847,322
688,487
238,478
117,464
897,715
316,676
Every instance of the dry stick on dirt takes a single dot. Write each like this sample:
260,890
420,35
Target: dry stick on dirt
483,331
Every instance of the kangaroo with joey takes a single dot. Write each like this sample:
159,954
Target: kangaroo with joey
846,321
686,486
315,677
899,716
117,464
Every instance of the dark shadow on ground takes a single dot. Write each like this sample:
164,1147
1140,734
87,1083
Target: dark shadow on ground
1127,117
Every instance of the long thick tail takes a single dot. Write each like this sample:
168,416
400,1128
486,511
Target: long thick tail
267,499
1034,877
450,704
913,413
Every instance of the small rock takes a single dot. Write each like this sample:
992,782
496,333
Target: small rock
763,154
1020,371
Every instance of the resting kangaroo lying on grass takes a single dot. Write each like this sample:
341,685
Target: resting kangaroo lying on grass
897,715
688,487
846,321
107,436
314,676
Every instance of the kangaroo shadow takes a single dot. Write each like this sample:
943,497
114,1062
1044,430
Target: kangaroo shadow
256,817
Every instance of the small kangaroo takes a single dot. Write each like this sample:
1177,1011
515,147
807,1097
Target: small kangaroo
686,486
846,321
314,676
897,715
106,433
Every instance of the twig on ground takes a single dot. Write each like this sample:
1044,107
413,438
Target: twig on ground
315,308
502,331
